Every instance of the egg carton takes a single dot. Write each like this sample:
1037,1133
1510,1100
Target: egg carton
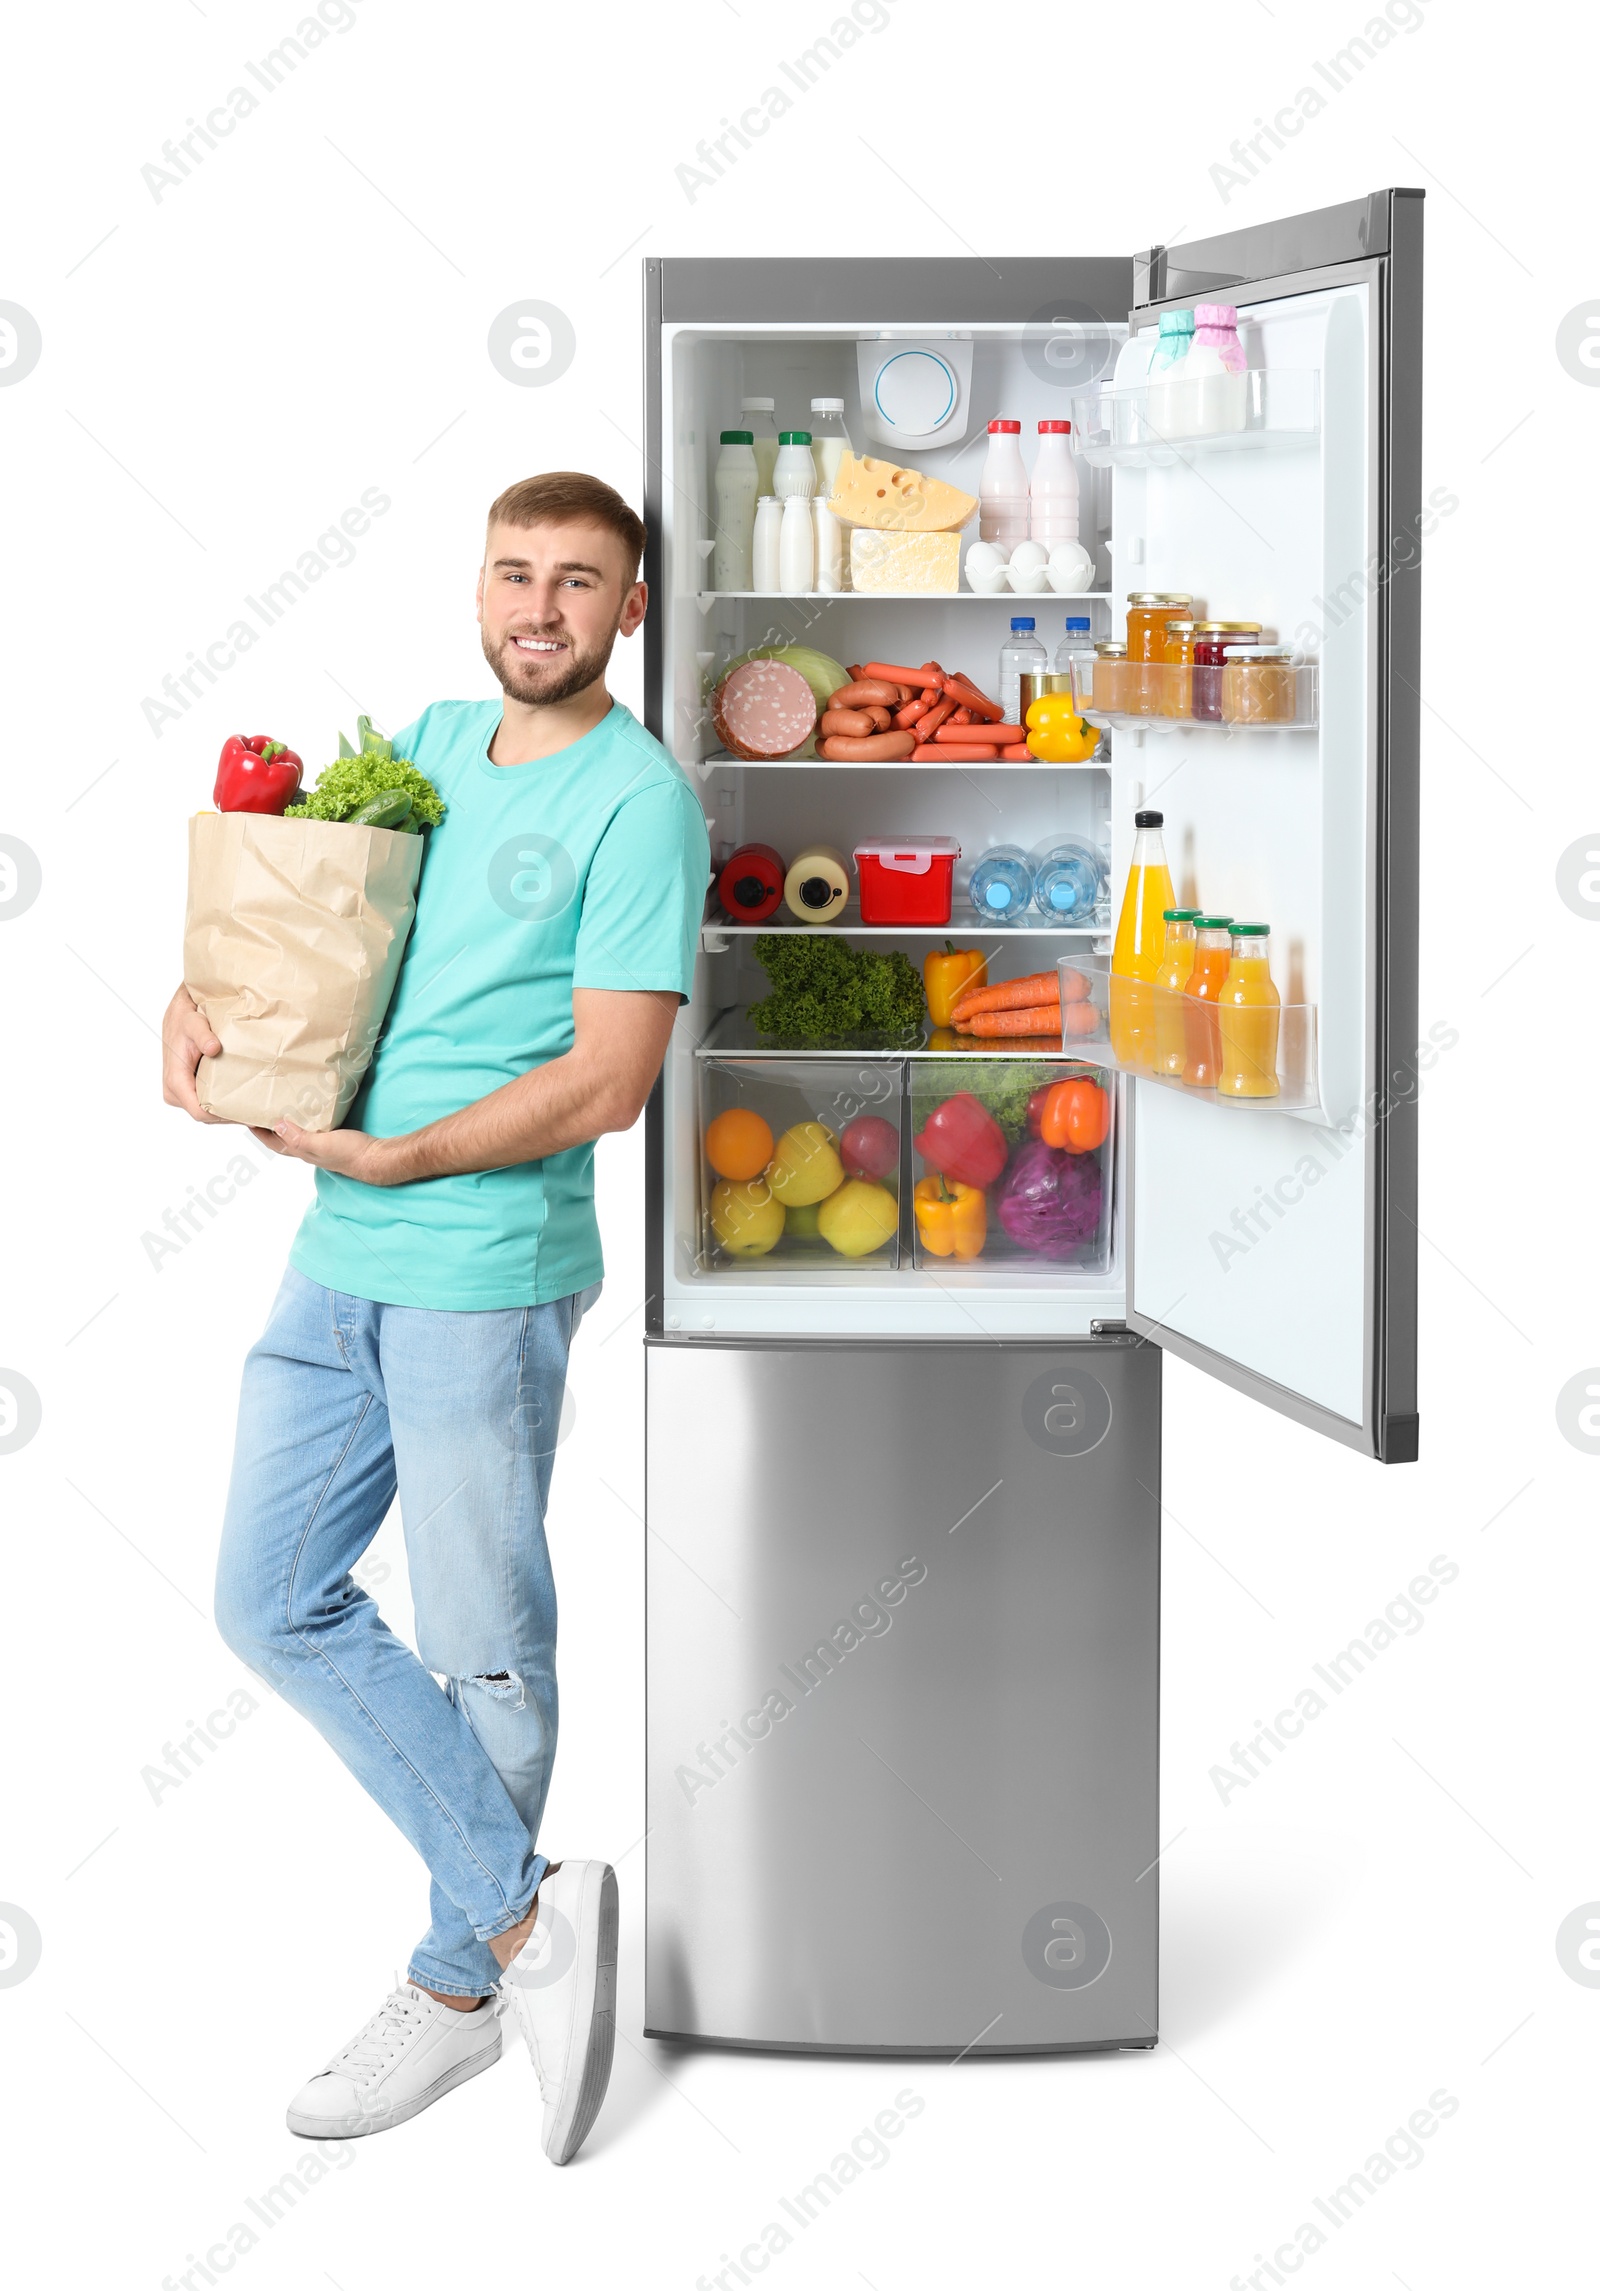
1029,569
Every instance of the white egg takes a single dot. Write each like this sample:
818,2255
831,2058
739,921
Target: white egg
1028,556
983,556
1071,567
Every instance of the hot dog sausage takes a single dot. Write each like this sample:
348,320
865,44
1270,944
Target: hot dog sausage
882,748
923,678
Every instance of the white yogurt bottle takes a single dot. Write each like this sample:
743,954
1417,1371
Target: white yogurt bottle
764,548
756,417
797,548
733,491
830,441
830,548
1211,383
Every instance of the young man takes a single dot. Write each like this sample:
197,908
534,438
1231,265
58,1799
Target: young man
420,1337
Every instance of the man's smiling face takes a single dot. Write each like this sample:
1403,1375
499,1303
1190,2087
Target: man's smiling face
552,600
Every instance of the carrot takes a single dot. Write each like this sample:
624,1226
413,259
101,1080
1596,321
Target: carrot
923,678
1003,735
1011,994
967,695
1040,1019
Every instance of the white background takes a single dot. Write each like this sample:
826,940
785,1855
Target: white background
304,317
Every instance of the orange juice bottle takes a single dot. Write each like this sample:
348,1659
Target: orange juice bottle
1247,1018
1177,961
1137,949
1202,1043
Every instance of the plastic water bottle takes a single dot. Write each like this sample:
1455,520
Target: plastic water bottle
1075,640
1002,884
1069,880
1023,656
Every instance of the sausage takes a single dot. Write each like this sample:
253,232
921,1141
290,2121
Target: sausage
962,716
925,679
881,748
905,717
928,724
1003,735
854,723
865,692
967,695
936,752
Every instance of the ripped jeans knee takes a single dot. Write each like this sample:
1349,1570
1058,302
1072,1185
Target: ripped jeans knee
505,1686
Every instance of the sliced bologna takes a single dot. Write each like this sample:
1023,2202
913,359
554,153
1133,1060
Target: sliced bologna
763,710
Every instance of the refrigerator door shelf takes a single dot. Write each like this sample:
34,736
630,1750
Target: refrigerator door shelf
902,1607
1149,427
848,923
1285,700
1174,1027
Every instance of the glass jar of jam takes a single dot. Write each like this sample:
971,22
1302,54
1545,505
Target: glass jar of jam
1258,684
1175,677
1210,636
1149,611
1115,681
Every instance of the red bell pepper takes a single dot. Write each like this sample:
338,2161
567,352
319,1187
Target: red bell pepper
963,1140
256,773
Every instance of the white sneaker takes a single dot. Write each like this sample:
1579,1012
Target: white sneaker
412,2052
563,1983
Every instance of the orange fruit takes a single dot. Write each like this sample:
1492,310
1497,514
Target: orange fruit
738,1144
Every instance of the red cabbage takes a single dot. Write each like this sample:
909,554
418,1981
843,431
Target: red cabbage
1049,1200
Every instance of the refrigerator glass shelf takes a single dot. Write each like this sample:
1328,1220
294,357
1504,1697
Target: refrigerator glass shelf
1006,596
731,1035
1164,426
1094,763
717,927
1283,1057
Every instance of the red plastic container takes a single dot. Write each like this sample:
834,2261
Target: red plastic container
907,882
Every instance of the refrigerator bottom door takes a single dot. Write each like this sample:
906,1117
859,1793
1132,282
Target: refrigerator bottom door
902,1698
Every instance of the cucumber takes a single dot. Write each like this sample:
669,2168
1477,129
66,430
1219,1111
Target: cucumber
385,810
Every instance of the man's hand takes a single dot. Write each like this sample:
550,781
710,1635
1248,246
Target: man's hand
185,1040
348,1153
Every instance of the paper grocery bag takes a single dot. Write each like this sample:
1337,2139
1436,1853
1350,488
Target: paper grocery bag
291,947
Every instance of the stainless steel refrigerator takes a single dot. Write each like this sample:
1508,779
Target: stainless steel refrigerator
903,1508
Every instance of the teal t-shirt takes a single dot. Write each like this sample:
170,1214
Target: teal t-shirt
583,869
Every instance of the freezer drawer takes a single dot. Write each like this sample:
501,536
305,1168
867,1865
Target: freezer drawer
902,1694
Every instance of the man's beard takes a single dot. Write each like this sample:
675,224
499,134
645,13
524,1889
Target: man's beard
530,677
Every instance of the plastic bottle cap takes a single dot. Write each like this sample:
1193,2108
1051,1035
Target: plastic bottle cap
997,895
1215,314
738,437
1177,322
756,405
1028,623
1073,622
794,437
1148,818
1179,914
994,426
1054,429
827,405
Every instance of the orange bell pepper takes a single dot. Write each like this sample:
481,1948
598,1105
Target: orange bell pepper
952,1218
1075,1114
948,976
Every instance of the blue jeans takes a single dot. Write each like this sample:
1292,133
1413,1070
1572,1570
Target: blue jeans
343,1401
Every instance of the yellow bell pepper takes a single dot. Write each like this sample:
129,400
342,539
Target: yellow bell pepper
1057,734
946,977
952,1218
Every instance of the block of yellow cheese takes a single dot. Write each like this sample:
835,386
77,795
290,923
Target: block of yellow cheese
888,499
923,561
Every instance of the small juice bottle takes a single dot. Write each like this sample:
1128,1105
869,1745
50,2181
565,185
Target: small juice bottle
1177,960
1137,949
1202,1044
1247,1019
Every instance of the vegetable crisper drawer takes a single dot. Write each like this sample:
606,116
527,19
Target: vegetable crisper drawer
800,1165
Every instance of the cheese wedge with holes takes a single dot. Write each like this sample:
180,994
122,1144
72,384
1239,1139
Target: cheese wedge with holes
887,499
927,562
